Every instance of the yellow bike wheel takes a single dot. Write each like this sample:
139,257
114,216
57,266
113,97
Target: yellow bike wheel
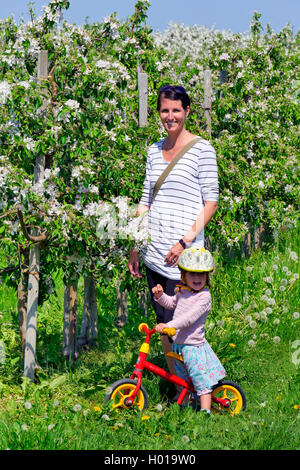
231,391
119,393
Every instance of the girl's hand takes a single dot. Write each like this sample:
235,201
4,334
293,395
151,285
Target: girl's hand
157,291
173,255
160,327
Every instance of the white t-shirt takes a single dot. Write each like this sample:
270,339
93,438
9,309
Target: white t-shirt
179,201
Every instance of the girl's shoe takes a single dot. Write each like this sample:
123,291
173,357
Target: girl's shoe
206,412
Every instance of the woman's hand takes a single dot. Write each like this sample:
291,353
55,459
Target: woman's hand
157,291
133,264
160,327
173,255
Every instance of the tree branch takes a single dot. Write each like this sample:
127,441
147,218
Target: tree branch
31,238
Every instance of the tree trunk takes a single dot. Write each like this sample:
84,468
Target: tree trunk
22,312
121,307
32,304
70,347
89,325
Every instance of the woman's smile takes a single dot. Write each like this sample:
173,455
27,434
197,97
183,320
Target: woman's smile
172,114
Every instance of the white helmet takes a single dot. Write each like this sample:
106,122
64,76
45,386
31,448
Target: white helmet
196,260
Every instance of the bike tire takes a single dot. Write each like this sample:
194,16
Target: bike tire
121,390
233,391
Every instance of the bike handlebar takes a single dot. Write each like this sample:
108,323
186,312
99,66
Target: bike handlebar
144,327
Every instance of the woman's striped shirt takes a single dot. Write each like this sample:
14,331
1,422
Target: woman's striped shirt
179,201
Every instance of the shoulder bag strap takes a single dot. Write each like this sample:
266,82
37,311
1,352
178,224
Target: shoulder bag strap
171,165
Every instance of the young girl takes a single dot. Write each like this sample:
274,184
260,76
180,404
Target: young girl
192,303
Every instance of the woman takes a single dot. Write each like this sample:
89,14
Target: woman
185,203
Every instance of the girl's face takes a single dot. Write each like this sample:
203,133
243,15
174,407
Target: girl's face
172,115
195,281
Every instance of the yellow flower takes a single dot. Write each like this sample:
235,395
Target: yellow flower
232,345
145,417
223,360
297,407
97,408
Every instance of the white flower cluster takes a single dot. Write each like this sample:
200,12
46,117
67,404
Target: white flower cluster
5,91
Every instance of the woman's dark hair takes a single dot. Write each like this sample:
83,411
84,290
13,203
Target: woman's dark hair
173,93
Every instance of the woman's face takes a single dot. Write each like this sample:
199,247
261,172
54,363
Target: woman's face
172,115
195,281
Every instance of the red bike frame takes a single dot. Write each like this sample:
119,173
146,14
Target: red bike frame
142,364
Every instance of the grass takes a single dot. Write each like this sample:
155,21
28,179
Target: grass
253,327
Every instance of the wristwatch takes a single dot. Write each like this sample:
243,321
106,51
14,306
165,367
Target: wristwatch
182,243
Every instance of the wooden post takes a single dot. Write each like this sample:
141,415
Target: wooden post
34,256
89,323
70,349
207,100
143,101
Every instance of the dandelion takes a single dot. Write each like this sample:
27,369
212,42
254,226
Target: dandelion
276,339
237,306
293,256
51,426
105,417
185,439
159,407
285,269
263,404
27,405
251,343
274,267
271,301
77,407
232,345
296,407
282,288
253,324
268,310
249,269
276,321
145,417
24,427
268,279
268,292
283,282
296,315
97,408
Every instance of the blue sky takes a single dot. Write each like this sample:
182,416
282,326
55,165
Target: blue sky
233,15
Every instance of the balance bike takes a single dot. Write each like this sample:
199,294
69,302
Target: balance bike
125,393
